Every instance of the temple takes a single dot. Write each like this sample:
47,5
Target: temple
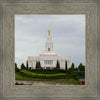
48,59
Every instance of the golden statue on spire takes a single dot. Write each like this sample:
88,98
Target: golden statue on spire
49,32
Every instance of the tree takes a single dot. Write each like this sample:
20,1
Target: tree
16,68
27,64
76,69
29,68
66,65
15,65
72,67
81,67
57,65
38,65
23,66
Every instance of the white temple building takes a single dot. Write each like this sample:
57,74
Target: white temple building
48,59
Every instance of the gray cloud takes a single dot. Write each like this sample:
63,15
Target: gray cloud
67,31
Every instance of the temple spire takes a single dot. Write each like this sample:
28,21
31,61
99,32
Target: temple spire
49,32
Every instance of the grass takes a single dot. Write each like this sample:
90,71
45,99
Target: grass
29,74
34,76
41,74
68,81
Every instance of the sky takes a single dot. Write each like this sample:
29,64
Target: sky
67,32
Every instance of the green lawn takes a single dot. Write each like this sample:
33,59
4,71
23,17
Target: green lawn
39,76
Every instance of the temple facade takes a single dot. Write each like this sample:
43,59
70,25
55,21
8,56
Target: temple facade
48,59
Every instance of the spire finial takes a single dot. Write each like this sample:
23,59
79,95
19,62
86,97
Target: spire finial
49,32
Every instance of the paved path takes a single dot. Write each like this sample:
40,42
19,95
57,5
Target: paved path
40,83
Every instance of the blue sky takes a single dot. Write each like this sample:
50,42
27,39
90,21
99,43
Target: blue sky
67,31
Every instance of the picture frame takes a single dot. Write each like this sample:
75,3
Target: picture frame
91,90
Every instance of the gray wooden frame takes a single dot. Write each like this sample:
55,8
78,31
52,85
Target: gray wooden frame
88,91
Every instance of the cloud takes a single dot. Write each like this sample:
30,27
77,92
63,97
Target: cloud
67,31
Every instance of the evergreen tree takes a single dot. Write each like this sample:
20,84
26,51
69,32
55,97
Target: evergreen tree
57,65
72,67
16,68
38,65
76,69
66,65
81,67
23,66
27,64
29,68
15,65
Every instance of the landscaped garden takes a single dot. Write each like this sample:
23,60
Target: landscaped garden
68,76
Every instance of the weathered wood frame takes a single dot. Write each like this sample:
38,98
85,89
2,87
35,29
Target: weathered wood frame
9,89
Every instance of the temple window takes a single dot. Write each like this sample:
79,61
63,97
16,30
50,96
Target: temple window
48,49
48,62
